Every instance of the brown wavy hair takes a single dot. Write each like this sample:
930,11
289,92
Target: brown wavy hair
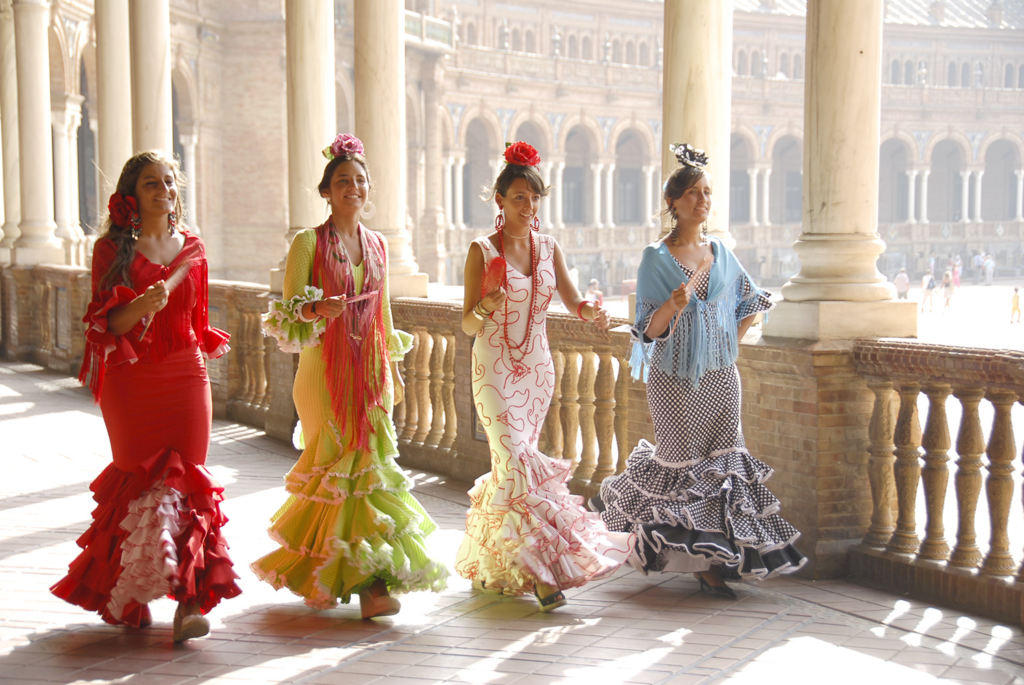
681,180
325,182
509,174
119,272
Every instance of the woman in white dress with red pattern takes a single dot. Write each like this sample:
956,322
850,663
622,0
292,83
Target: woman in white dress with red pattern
524,531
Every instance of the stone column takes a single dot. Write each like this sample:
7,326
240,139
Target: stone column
754,175
559,194
449,164
977,195
309,48
965,196
460,206
596,172
609,196
924,194
37,243
64,120
150,27
380,123
432,223
113,94
545,205
911,192
1018,215
189,140
766,219
838,292
9,136
698,92
648,205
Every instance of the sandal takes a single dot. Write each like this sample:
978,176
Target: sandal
550,602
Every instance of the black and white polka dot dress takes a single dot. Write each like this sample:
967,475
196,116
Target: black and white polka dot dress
697,499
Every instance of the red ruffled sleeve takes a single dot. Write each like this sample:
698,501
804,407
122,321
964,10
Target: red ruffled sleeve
213,342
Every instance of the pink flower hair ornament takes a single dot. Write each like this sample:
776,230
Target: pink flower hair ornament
120,208
344,144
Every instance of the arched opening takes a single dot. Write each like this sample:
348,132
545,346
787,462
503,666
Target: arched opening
798,67
530,42
630,52
786,181
645,55
999,184
617,51
88,206
577,178
1008,76
894,72
517,41
741,63
784,65
529,132
951,75
586,49
1020,77
471,34
478,173
908,73
944,184
740,162
978,76
755,64
965,75
574,51
628,185
893,184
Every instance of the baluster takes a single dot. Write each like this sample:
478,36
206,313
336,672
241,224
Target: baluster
571,405
448,394
1020,573
398,411
422,373
266,344
244,367
257,361
411,409
969,445
622,445
999,486
907,471
880,464
436,381
936,473
554,441
604,416
588,457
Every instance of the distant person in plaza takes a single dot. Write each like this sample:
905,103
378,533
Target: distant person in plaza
349,525
902,283
594,293
524,532
157,528
948,290
990,269
928,286
958,265
1015,305
697,500
977,266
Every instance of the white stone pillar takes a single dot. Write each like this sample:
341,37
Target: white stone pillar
150,27
596,171
460,183
65,118
9,136
925,173
189,140
37,243
559,194
1019,214
380,123
838,292
754,175
545,205
911,192
977,195
965,196
609,196
697,95
648,204
446,189
766,219
113,94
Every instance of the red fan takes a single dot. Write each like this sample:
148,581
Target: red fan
494,276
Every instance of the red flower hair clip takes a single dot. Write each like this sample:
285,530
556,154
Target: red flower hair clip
344,144
521,154
121,207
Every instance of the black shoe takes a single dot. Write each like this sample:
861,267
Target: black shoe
722,591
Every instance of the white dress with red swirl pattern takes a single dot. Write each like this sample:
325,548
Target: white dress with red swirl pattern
523,525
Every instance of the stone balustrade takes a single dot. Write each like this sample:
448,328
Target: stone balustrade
924,557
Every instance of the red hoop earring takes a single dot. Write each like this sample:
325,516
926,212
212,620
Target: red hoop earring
499,221
535,224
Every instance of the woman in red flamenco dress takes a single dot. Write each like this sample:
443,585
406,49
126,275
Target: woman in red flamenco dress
156,529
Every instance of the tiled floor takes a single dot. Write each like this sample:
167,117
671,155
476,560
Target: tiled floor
627,629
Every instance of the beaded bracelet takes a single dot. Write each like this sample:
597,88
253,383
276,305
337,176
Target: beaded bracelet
579,310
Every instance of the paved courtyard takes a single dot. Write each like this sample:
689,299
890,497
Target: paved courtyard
626,629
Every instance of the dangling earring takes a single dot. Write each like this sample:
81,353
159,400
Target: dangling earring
136,222
704,232
535,224
499,221
172,222
368,210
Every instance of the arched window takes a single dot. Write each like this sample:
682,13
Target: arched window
585,49
531,45
517,41
894,74
951,75
784,65
965,75
574,51
798,67
755,64
1020,77
645,55
617,51
978,74
908,73
470,34
1008,77
630,52
741,63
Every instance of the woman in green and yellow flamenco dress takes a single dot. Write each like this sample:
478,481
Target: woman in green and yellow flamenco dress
350,524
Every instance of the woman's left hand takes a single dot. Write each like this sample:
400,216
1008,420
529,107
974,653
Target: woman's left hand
602,319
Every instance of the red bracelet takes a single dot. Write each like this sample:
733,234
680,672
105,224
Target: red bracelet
579,310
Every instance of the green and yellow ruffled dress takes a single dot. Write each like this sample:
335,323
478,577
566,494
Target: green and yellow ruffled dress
349,518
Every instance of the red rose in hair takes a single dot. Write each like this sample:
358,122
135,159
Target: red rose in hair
120,208
522,154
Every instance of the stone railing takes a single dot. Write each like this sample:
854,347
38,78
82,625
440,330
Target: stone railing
476,58
906,546
597,413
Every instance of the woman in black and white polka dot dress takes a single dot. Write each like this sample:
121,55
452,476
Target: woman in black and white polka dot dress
696,501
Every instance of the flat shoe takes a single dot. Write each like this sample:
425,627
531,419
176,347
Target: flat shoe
372,607
190,626
551,602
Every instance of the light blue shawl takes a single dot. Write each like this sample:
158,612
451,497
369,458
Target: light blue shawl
705,338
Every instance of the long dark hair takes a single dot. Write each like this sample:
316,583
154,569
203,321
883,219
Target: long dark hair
325,182
121,236
681,180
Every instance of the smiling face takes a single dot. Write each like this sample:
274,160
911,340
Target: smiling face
156,191
694,205
521,203
349,188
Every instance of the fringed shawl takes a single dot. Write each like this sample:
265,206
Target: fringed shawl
355,344
705,336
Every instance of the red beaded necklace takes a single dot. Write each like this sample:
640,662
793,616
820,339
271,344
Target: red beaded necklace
533,298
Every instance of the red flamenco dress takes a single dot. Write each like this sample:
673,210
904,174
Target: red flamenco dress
157,528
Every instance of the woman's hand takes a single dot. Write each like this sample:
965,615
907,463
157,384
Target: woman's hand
601,317
679,298
399,383
331,307
155,298
493,300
